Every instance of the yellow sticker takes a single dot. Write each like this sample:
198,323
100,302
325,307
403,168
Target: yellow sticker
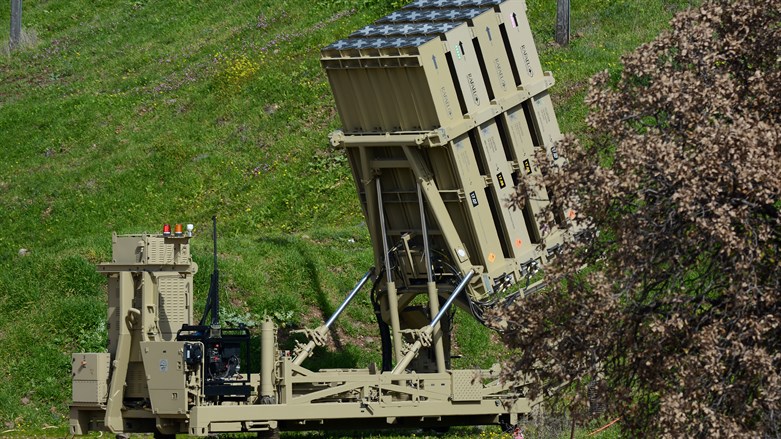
491,257
500,178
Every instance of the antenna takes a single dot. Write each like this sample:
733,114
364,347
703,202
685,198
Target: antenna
214,288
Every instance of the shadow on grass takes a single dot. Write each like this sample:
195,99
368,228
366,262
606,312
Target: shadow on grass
342,357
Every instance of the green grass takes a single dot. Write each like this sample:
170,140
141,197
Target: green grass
123,115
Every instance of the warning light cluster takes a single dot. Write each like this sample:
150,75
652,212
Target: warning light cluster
178,230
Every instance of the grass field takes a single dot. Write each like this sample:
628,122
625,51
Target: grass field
123,115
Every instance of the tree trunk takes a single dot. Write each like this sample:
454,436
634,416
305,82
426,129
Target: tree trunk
562,22
16,23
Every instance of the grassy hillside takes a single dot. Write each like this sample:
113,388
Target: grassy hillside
123,115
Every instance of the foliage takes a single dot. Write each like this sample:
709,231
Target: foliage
234,70
675,324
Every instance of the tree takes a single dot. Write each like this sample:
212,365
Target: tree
16,24
562,22
675,320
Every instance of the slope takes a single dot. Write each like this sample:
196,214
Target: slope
125,115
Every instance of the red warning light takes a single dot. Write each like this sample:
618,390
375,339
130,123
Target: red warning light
166,230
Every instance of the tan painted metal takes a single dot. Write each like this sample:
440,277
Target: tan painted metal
268,353
424,335
287,394
121,361
165,374
150,287
90,374
444,108
437,334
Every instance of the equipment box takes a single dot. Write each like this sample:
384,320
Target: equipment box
90,377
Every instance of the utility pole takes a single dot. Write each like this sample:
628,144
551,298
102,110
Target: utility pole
562,22
16,24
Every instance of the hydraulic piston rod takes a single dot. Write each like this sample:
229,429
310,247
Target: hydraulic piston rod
349,298
427,330
322,330
431,287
